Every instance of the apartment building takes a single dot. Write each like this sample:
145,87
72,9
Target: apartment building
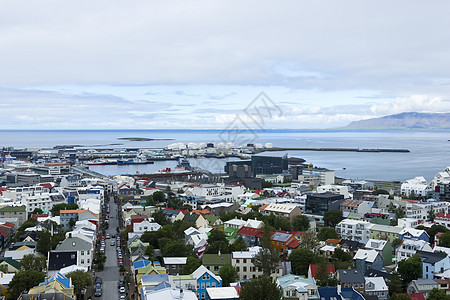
354,230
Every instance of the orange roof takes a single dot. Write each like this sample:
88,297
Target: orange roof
333,241
263,207
76,211
201,212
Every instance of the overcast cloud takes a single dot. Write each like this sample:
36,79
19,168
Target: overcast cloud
198,64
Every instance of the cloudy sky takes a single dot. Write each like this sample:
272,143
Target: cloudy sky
199,64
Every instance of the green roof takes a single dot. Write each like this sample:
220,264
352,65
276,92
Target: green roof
231,232
12,208
380,221
11,262
211,219
216,260
182,277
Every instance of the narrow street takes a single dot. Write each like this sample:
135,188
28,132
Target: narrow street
110,273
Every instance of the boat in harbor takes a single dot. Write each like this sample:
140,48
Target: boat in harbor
134,161
96,162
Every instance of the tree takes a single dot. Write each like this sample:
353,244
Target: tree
238,245
151,237
396,243
80,280
341,255
437,294
444,240
175,249
410,269
300,260
433,230
310,241
149,250
56,208
179,226
24,281
281,223
192,264
332,217
37,211
56,239
394,283
150,201
399,213
327,233
160,217
323,277
217,236
431,214
229,274
32,262
159,196
263,288
217,246
267,258
399,297
300,223
44,245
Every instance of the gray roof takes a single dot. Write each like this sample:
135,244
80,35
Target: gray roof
281,237
74,244
349,276
425,281
431,257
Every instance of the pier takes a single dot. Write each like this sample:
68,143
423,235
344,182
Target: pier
333,149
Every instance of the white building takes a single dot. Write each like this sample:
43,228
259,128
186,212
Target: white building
418,186
409,247
376,286
354,230
408,222
326,177
145,226
441,177
242,261
335,189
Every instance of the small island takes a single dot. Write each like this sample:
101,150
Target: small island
141,139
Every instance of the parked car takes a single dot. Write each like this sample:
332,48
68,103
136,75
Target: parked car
98,280
121,282
113,243
108,235
98,292
122,290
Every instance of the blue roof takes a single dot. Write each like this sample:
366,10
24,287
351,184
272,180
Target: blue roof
140,264
327,292
350,293
157,264
155,277
60,278
161,286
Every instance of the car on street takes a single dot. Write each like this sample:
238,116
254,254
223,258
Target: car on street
98,280
108,235
113,243
122,297
121,282
122,290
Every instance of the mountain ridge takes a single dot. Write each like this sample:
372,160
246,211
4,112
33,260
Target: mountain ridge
406,120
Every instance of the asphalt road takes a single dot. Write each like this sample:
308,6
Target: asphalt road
110,273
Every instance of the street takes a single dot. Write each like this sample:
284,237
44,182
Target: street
110,273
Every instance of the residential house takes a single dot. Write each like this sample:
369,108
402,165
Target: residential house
214,262
288,211
409,247
145,226
251,236
367,259
214,222
242,261
10,265
376,286
82,246
174,264
198,220
433,263
173,214
354,230
351,278
422,285
18,212
355,206
383,232
298,287
382,247
417,187
18,254
57,283
284,241
205,279
350,246
312,270
414,234
440,219
5,279
58,260
74,214
329,293
444,284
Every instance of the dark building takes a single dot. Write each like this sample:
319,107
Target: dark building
442,192
319,204
61,259
239,169
269,164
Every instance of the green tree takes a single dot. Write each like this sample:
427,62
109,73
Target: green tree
310,241
159,196
217,246
81,280
332,217
21,230
267,258
323,277
56,239
238,245
217,236
341,255
327,233
175,249
44,245
263,288
229,274
444,240
58,207
37,211
396,243
300,260
149,251
179,226
433,230
32,262
410,269
150,201
300,223
24,281
281,223
160,217
431,214
399,213
437,294
399,297
394,283
192,264
151,237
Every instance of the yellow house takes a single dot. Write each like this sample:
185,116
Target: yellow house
148,270
55,284
5,279
22,248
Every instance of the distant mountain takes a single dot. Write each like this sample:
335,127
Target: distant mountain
404,121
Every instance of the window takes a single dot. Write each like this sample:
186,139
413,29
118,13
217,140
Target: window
207,285
245,260
82,261
82,252
203,285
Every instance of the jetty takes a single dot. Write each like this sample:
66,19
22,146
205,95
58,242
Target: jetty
333,149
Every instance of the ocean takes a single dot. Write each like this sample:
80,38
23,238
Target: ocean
429,149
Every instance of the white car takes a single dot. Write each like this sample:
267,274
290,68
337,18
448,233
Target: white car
122,290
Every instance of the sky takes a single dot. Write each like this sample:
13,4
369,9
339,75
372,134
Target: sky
204,64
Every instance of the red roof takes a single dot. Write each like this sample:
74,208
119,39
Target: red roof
417,296
443,216
250,231
294,243
439,234
2,190
314,269
411,201
36,216
3,232
46,185
263,207
7,224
